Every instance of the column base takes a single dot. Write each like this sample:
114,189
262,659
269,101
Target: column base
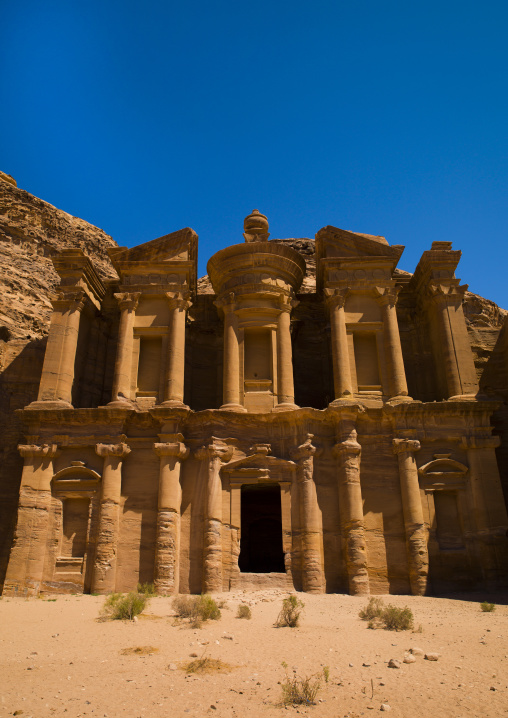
173,404
462,397
399,399
233,407
120,404
50,404
285,406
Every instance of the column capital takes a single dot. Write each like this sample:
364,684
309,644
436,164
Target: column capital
442,293
178,300
387,296
72,300
35,451
226,302
118,450
127,300
287,303
402,445
305,450
480,442
336,297
348,447
215,449
172,448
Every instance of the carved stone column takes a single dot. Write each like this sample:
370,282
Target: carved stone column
231,360
123,365
215,453
416,534
455,349
106,553
343,386
351,511
286,389
57,377
311,531
167,547
26,562
488,505
175,367
393,349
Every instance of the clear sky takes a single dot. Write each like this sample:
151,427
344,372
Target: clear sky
381,117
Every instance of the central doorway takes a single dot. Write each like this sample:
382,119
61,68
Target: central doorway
261,522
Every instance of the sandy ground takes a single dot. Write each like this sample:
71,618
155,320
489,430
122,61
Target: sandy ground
56,659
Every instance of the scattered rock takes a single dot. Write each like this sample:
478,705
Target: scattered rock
416,651
173,667
432,656
409,658
366,665
385,707
228,636
394,663
193,655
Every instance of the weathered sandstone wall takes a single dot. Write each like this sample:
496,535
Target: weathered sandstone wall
31,232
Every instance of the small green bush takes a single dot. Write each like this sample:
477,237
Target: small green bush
374,609
147,589
243,611
124,607
298,691
196,608
398,619
290,612
389,617
487,607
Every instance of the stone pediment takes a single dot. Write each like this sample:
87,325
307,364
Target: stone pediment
172,253
442,473
334,242
259,467
349,254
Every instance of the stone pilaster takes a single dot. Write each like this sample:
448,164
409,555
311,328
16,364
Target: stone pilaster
348,452
26,562
393,350
167,547
215,453
336,300
286,389
57,379
175,365
416,533
488,505
454,346
106,553
311,530
123,366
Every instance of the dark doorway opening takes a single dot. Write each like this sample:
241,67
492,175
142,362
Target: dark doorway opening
261,536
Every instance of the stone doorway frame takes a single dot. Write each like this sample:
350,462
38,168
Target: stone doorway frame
259,468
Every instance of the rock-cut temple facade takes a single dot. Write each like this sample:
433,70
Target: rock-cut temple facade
306,417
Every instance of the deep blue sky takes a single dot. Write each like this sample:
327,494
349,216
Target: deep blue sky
381,117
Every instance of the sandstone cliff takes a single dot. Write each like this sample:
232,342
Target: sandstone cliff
31,232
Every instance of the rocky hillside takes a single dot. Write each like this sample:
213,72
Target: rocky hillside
31,232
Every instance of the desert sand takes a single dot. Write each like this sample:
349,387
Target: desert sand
56,659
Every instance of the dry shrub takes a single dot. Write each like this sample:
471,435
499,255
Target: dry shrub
139,651
290,612
124,607
243,611
197,609
206,665
374,609
398,619
147,589
298,691
389,617
487,607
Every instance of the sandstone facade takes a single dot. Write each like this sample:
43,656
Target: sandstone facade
309,417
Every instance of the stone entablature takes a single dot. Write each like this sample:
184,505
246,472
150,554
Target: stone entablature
369,489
